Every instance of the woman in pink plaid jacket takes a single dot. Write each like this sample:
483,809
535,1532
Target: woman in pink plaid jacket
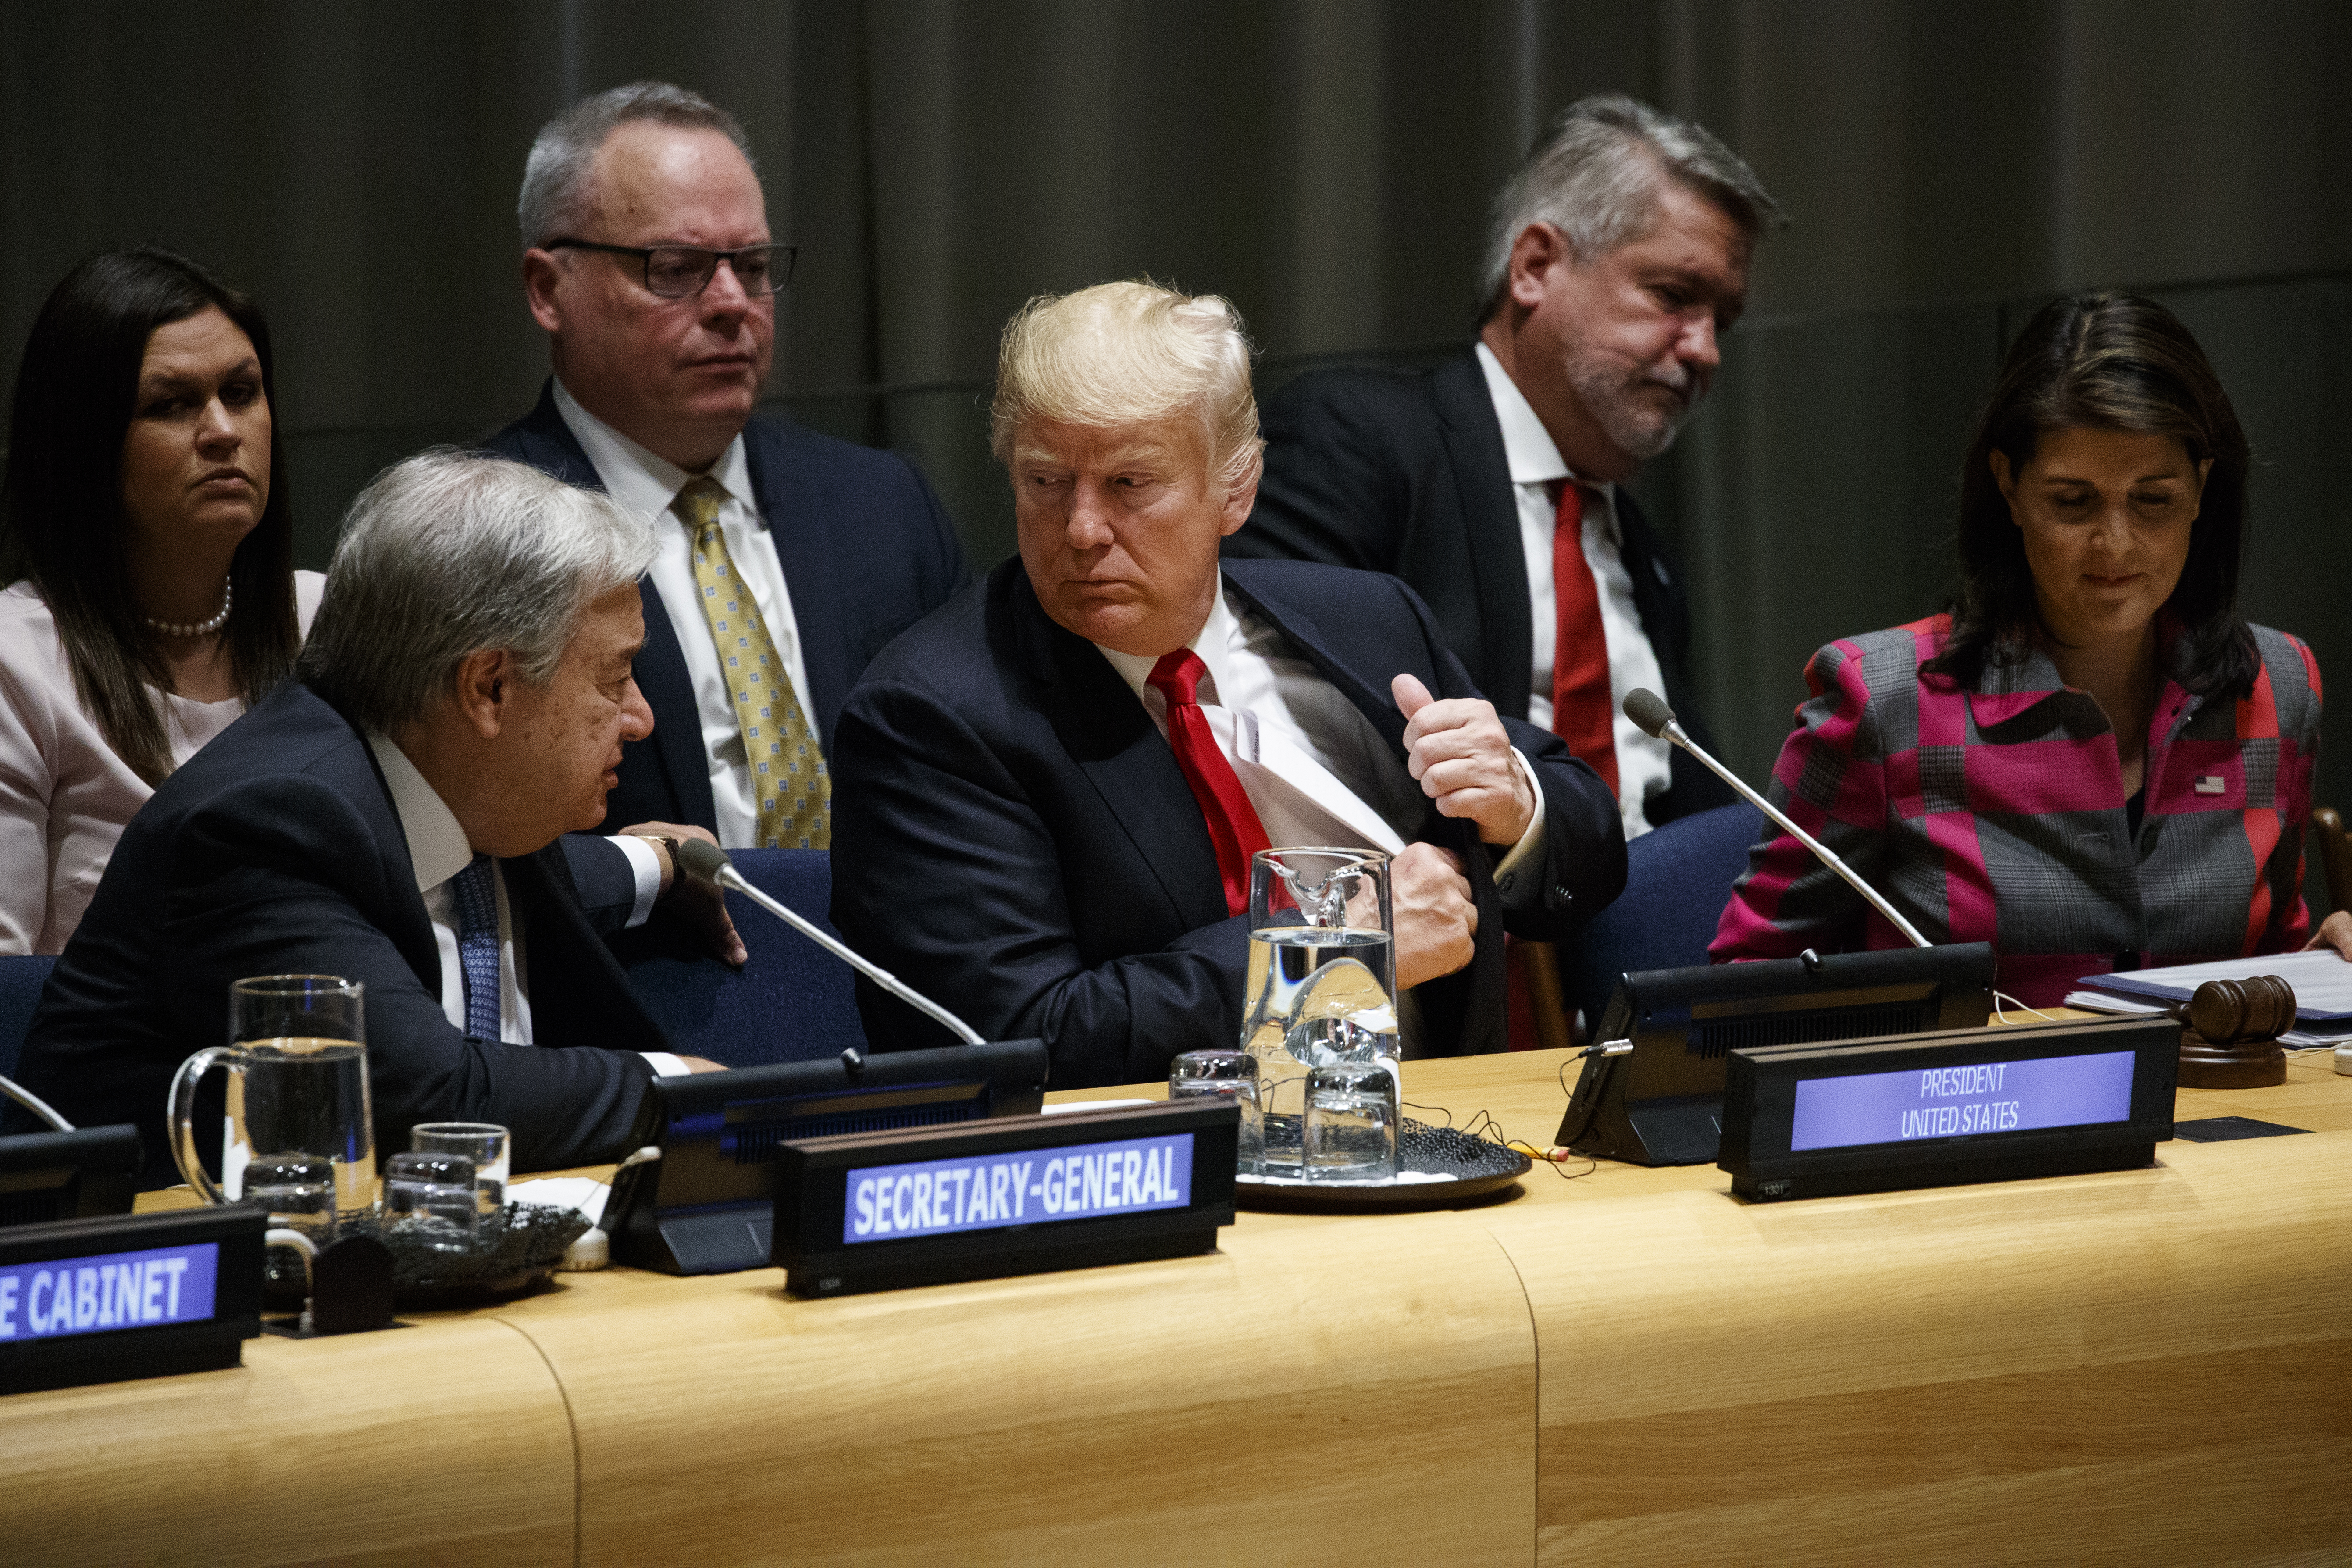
2092,762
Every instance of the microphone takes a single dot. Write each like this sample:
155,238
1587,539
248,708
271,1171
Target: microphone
706,862
34,1103
1650,712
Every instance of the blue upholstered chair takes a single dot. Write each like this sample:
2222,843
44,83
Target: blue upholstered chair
792,1002
1677,880
21,979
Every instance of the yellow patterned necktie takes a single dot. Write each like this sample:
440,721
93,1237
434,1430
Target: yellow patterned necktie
792,792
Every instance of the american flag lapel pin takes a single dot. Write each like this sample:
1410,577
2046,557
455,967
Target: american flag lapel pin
2210,783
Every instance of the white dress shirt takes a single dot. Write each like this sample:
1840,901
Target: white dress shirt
438,850
1644,764
1315,769
637,479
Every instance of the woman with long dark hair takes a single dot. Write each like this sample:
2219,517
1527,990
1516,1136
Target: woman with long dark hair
146,531
2091,761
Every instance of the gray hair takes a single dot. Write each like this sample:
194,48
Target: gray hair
446,553
1595,177
555,179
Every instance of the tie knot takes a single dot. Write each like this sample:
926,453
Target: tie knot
1570,513
699,501
1177,675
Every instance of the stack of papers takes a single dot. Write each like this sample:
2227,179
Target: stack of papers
2321,983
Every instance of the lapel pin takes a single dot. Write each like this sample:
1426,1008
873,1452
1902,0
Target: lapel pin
2210,783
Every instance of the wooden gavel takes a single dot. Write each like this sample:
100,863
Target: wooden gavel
2230,1035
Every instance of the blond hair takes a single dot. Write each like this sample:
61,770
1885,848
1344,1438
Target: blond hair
1128,353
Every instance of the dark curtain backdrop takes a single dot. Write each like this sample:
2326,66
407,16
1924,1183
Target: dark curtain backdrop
1325,162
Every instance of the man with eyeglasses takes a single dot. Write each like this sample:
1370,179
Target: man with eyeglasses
788,559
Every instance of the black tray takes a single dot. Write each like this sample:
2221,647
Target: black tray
1473,1169
522,1245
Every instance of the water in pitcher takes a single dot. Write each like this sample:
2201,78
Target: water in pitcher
301,1096
1316,994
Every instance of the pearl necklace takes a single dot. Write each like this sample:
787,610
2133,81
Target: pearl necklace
199,628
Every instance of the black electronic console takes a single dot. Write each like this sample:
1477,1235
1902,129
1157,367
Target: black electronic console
698,1197
1654,1095
1966,1105
86,1173
892,1209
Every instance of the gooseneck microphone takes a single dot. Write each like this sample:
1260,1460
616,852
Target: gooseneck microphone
707,862
1649,710
34,1103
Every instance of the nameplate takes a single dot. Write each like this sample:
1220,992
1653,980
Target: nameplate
1968,1105
104,1300
1021,1196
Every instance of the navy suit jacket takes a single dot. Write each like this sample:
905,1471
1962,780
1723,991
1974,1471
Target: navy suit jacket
867,553
1395,472
1027,852
276,851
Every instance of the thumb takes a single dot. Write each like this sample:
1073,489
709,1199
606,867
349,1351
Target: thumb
1410,695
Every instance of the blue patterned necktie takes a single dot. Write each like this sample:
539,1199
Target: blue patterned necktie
478,946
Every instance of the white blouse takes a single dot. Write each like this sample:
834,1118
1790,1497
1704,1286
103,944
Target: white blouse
65,797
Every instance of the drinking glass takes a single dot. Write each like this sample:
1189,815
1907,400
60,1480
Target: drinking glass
429,1199
1322,983
298,1191
484,1143
1228,1075
1351,1123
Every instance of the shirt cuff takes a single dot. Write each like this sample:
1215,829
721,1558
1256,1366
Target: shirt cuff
666,1065
1530,846
644,864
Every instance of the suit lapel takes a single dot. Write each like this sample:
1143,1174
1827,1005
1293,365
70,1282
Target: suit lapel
547,444
1490,518
667,686
408,924
1378,706
1655,600
794,516
1113,741
578,993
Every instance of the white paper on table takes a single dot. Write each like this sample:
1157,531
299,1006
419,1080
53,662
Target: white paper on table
2322,981
586,1193
2111,1002
2319,1032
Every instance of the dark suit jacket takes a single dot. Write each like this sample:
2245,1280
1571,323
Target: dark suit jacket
866,553
1026,851
276,851
1391,472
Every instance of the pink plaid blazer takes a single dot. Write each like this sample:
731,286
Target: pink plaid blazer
1997,814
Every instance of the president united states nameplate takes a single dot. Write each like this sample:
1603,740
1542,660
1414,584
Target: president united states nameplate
977,1200
1963,1105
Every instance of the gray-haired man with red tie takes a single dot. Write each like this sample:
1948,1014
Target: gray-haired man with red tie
1491,484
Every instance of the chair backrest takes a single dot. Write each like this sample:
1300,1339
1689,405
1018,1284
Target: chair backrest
2336,854
22,976
1677,879
792,1002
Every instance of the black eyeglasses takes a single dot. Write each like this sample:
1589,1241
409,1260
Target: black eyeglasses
682,271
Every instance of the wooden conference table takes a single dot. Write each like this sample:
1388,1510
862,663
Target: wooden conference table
1630,1365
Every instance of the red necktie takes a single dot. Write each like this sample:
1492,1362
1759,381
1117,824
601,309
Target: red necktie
1234,826
1582,713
